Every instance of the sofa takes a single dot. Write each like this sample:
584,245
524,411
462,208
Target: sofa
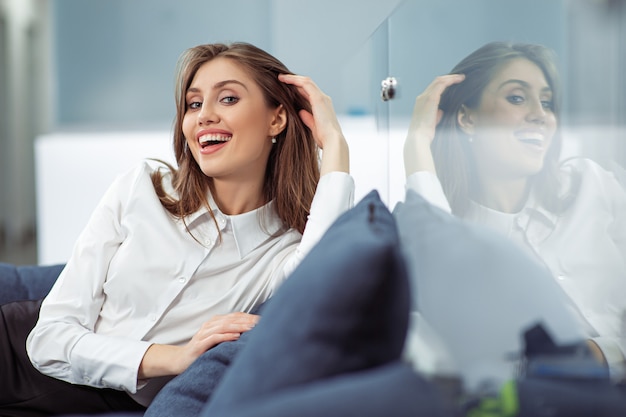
26,282
332,339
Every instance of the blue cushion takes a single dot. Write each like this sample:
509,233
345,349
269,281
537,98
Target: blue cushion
340,317
393,389
27,282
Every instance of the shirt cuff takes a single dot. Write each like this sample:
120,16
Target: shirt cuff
334,196
426,184
108,362
613,355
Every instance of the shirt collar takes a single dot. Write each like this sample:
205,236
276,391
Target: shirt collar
249,229
536,222
253,228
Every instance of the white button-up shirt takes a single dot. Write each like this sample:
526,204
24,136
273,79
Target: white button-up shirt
584,247
137,276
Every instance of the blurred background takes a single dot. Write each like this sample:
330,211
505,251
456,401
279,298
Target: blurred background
86,86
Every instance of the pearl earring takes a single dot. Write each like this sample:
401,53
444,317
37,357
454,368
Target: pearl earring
470,139
274,140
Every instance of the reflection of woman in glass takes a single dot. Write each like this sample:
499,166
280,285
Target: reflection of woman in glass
484,144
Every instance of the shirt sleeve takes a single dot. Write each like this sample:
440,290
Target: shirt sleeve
334,195
618,227
608,188
64,343
426,184
614,348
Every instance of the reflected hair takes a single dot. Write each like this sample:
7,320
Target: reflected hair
292,171
451,150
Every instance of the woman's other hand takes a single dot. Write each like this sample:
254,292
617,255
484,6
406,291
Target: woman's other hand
322,120
424,120
161,360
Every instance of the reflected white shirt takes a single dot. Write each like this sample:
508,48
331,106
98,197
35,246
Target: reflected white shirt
584,248
137,277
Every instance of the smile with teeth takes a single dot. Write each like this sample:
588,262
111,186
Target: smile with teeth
208,140
532,139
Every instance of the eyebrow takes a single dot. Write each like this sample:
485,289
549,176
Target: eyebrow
218,85
523,84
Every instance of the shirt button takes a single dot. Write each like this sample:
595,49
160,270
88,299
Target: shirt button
182,280
152,318
207,242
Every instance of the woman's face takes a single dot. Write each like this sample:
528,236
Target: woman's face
514,123
227,123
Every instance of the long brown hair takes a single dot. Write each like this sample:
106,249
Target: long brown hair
455,166
292,170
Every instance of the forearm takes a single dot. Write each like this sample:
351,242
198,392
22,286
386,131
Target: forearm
335,156
417,155
161,360
334,196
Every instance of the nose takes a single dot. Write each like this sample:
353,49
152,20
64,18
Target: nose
207,115
537,113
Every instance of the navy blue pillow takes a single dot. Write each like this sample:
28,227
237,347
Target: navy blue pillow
344,310
27,282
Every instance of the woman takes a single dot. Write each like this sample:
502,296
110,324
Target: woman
484,144
174,258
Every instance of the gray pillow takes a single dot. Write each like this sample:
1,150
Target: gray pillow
478,291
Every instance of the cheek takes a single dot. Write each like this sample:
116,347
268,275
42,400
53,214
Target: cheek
552,122
187,127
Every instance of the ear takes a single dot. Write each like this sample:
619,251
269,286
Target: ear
465,119
279,121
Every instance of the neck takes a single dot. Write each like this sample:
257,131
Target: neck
508,196
237,198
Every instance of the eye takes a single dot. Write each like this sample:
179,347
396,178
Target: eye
194,105
547,104
229,100
515,99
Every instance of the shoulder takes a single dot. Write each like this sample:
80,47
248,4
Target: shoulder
596,181
139,178
588,170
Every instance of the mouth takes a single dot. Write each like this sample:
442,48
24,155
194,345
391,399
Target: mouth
213,139
535,139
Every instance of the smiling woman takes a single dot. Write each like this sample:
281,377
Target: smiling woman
484,144
174,259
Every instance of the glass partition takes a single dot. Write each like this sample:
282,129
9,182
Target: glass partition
426,38
570,219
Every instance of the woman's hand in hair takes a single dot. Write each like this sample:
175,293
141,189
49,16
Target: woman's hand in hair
323,124
161,360
424,120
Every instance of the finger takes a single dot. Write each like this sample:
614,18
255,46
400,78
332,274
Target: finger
202,345
308,119
234,317
439,116
226,326
294,79
305,84
439,84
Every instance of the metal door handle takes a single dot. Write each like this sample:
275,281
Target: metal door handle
388,88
